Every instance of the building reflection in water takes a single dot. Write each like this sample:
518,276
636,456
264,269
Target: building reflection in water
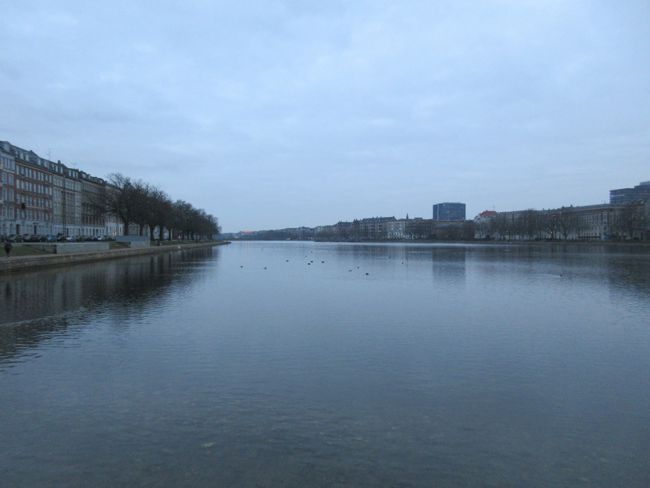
36,305
448,264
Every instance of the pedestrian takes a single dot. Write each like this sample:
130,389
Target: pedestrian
8,247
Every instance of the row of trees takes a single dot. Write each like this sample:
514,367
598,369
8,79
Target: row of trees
628,222
535,224
136,202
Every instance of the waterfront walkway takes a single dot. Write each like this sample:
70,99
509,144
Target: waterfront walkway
19,263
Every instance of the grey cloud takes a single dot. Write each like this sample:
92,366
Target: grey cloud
279,113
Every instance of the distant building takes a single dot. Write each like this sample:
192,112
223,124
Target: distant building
396,229
483,224
372,228
639,193
486,214
448,211
589,222
418,228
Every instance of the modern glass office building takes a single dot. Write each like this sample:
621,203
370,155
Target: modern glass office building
640,192
449,211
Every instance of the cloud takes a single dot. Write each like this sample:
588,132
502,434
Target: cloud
336,104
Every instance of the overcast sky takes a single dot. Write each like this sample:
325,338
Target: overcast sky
273,114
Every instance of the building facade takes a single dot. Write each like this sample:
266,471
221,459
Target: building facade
93,221
42,197
7,193
449,211
372,228
396,229
33,195
589,222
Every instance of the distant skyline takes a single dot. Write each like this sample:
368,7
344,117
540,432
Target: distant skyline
279,114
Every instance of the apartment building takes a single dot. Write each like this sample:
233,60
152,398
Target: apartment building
7,193
66,202
43,197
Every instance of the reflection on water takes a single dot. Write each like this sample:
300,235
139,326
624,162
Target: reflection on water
301,364
36,304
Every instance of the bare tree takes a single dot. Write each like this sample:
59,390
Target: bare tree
161,212
140,195
530,224
566,222
550,222
121,200
137,202
631,221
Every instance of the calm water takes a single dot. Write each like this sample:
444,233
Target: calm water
384,365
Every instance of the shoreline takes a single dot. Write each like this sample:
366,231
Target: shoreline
20,263
456,242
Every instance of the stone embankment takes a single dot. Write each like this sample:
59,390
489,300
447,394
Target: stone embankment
19,263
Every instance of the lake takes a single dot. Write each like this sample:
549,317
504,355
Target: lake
299,364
